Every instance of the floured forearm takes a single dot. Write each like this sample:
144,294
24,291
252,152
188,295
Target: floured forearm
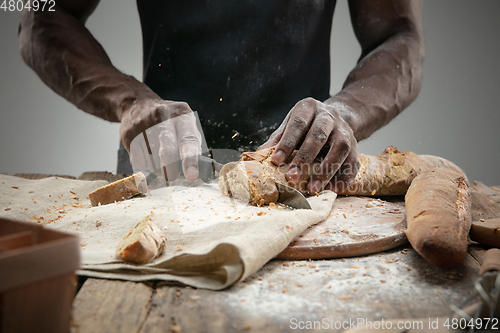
387,77
67,58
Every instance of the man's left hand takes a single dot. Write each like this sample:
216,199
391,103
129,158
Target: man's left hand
309,127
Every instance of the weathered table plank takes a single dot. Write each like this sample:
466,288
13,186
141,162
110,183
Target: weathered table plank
286,295
111,306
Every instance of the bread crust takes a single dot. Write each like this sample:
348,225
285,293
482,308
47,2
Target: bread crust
392,171
438,213
142,243
120,190
437,194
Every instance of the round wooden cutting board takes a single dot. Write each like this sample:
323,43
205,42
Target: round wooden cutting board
356,226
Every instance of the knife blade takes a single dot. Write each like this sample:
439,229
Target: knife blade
291,197
208,168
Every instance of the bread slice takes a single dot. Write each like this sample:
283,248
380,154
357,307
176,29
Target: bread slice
120,190
142,243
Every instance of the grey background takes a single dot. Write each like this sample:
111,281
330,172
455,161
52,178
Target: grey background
455,115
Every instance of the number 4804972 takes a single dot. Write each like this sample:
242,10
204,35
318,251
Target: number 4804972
35,5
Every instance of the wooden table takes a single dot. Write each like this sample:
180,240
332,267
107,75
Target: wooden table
284,296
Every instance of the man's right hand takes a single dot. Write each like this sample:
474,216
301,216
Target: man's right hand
175,126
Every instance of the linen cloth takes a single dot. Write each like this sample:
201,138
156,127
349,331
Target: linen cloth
213,241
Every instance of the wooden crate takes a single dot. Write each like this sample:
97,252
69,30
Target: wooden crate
37,277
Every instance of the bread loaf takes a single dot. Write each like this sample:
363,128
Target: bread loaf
142,243
390,173
438,215
120,190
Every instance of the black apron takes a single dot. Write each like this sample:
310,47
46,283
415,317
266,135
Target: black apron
242,65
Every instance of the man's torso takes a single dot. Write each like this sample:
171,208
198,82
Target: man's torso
241,65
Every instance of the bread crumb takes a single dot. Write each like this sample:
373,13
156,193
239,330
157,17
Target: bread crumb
179,247
345,297
82,244
247,327
261,213
15,187
373,192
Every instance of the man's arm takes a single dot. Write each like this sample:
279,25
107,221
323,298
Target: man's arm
58,47
388,75
385,80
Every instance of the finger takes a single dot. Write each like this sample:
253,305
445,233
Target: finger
314,141
340,148
296,128
347,172
168,149
189,141
140,119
